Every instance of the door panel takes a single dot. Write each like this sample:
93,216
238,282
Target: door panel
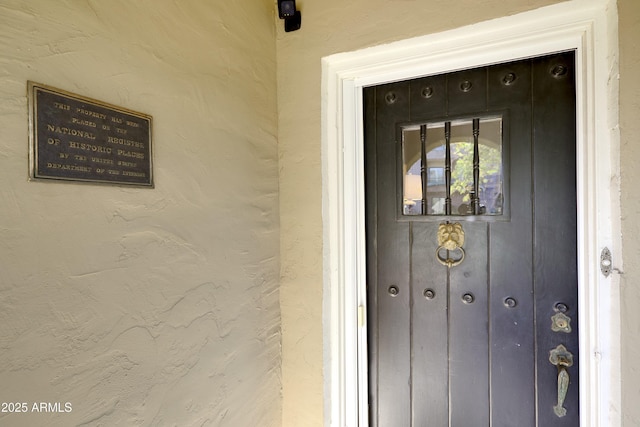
555,268
513,346
429,293
468,346
393,246
468,332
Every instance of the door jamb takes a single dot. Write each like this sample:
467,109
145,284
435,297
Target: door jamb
589,27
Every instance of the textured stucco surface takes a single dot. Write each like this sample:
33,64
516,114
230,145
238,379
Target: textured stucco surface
328,27
629,22
145,306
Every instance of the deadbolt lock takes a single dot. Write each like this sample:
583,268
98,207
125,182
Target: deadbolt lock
560,322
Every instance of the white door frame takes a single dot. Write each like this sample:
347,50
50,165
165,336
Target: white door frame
589,27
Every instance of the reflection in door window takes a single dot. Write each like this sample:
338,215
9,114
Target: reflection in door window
469,181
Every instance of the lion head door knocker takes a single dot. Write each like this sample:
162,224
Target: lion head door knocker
450,240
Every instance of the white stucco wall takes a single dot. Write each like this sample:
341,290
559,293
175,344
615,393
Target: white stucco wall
629,13
144,306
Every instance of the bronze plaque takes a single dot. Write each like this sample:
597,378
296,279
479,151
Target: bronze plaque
80,139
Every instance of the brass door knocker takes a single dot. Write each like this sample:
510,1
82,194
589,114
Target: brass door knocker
451,239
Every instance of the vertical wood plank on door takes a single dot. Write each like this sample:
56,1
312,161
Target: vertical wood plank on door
430,367
469,321
394,326
511,254
555,223
429,339
469,332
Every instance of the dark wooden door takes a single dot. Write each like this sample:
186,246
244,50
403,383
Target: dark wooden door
470,345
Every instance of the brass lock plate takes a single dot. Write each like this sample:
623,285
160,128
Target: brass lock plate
560,322
560,356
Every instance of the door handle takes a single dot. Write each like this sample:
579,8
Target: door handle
562,359
451,238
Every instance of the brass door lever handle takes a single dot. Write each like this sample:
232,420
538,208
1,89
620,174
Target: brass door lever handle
562,359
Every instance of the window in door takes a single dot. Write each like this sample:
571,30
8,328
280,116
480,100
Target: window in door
453,168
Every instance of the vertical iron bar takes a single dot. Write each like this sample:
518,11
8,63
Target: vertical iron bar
423,166
475,197
447,168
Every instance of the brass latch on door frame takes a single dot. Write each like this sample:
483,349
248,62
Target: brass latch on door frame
605,262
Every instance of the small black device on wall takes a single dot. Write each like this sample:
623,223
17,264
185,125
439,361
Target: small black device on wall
292,17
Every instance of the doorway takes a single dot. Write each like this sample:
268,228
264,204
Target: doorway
587,28
484,333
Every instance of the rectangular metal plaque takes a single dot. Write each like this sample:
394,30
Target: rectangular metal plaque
76,138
